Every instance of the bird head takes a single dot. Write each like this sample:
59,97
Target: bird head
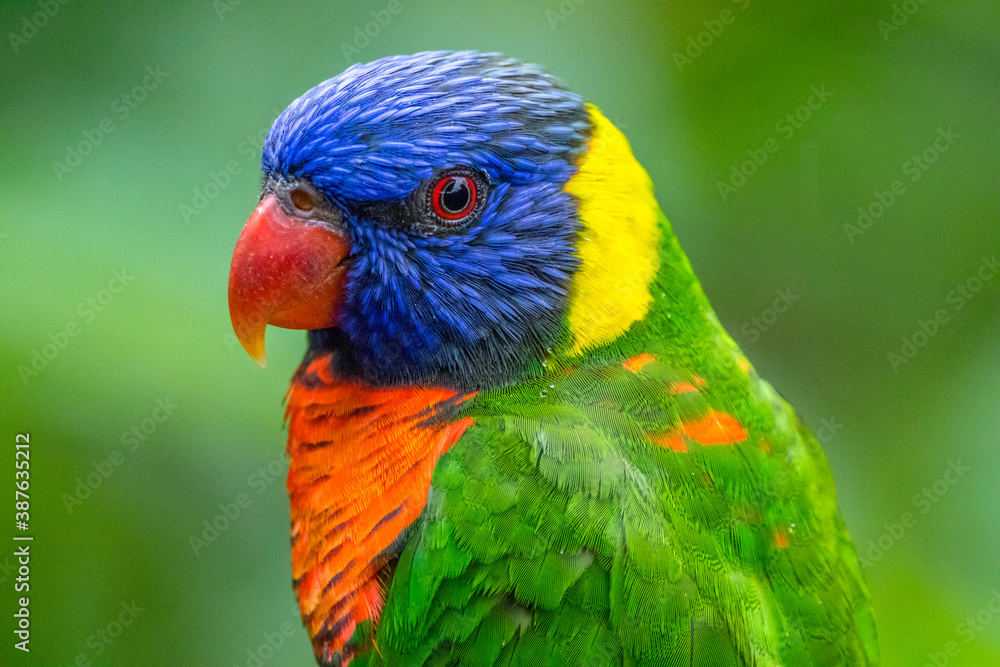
445,218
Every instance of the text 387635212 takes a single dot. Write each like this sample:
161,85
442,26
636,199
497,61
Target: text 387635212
22,463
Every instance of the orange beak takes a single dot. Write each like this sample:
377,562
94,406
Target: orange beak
287,272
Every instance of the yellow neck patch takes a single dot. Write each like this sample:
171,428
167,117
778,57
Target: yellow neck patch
619,243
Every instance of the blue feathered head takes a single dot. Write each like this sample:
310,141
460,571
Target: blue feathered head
442,176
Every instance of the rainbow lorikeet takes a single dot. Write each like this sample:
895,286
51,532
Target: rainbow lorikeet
520,435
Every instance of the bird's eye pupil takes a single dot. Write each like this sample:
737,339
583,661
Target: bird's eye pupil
302,200
454,197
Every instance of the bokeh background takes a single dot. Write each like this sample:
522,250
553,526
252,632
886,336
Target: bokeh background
155,183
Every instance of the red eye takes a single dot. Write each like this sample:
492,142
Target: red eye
454,197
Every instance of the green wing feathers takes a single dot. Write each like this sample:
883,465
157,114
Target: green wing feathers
561,530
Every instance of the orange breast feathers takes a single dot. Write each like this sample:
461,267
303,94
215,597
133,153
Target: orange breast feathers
361,465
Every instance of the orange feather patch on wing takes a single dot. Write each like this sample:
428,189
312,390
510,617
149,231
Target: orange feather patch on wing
636,363
672,441
717,428
780,539
360,471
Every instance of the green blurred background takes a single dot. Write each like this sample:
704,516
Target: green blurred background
223,71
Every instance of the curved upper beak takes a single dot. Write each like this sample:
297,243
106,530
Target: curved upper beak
287,272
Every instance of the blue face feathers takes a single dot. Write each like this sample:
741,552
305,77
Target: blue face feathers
470,302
